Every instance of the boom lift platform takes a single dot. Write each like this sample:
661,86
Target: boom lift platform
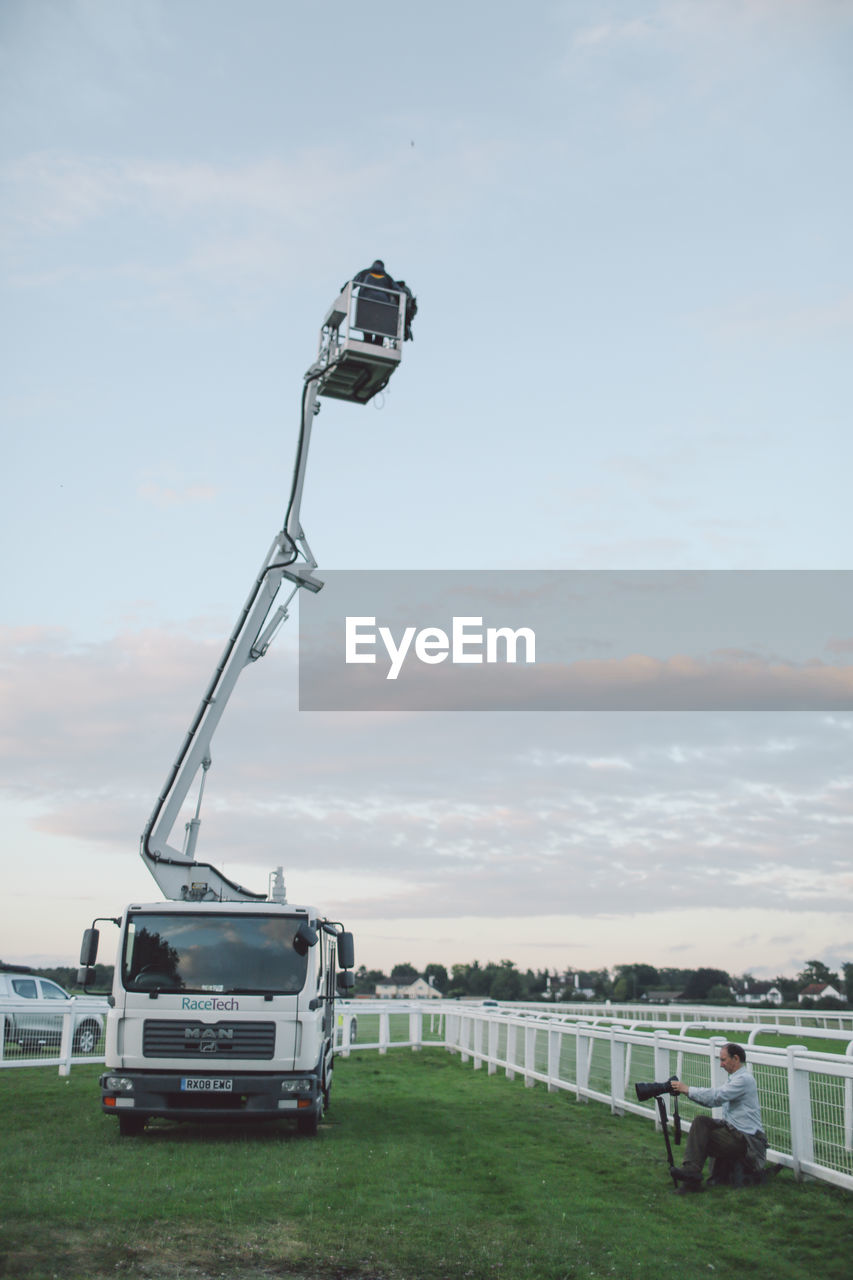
360,346
361,342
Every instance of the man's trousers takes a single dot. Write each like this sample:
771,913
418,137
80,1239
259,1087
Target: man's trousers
710,1137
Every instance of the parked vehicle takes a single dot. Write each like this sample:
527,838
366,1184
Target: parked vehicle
36,1025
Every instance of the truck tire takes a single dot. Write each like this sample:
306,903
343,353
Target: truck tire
131,1126
308,1124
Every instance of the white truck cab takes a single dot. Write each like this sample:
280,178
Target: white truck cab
222,1010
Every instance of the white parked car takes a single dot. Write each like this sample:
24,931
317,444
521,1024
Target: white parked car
37,1026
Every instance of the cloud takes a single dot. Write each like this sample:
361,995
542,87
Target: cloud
435,815
684,23
77,715
56,189
735,681
786,318
164,495
606,33
700,66
161,223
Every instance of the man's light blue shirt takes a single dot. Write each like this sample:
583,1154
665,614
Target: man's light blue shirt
738,1098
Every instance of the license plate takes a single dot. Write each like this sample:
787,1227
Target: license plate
206,1084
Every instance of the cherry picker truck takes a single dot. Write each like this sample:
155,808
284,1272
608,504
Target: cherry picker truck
223,999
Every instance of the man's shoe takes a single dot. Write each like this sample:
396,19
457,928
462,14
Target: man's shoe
687,1174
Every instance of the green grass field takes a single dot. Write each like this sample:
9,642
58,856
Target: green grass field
424,1170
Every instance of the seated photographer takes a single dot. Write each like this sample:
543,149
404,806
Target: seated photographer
738,1136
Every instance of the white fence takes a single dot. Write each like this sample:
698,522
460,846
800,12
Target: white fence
806,1095
732,1015
35,1033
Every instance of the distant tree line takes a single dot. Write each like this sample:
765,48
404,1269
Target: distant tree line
625,984
66,976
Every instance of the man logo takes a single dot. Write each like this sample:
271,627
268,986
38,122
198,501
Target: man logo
209,1037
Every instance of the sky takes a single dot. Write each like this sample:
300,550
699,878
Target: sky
627,227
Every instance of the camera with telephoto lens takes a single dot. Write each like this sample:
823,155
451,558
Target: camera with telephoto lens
654,1090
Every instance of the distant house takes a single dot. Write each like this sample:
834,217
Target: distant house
578,988
759,993
420,989
819,991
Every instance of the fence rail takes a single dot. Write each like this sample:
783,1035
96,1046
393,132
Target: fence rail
806,1095
731,1015
35,1033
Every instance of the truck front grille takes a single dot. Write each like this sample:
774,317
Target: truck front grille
209,1042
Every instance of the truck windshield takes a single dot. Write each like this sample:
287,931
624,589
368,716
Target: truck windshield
249,954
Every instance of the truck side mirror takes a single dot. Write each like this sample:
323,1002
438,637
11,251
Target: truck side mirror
88,956
304,938
346,951
346,980
89,948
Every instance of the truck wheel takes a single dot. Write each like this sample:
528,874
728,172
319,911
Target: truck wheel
86,1037
131,1126
308,1124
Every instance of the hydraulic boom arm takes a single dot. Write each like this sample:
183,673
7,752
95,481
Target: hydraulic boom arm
288,559
339,372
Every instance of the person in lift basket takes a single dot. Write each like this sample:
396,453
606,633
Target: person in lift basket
376,286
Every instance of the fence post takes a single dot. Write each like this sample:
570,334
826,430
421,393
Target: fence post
345,1032
416,1029
662,1059
384,1031
718,1075
451,1032
511,1032
848,1106
617,1071
529,1056
464,1036
493,1046
478,1043
800,1104
582,1056
66,1043
662,1064
554,1044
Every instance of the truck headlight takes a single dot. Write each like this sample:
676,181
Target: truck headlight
298,1087
118,1084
